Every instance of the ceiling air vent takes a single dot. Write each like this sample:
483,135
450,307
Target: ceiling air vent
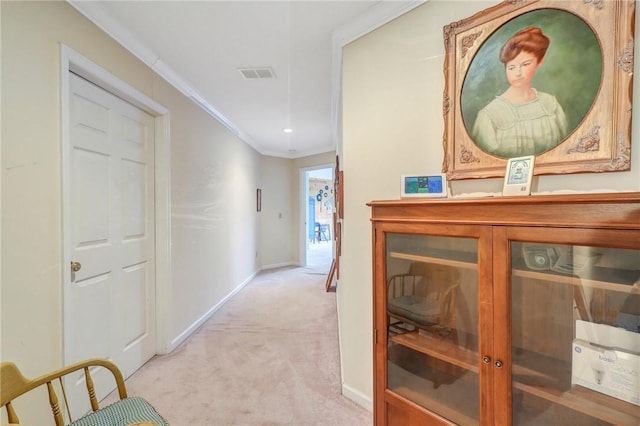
254,73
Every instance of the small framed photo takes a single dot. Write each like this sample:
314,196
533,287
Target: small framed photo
518,175
427,185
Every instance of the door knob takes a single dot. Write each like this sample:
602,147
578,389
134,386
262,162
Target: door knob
75,266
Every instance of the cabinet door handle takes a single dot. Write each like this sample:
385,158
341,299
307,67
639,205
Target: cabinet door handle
498,364
486,359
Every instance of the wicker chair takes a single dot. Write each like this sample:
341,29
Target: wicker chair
128,411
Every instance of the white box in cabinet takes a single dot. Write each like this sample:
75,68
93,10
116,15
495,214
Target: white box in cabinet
607,359
608,336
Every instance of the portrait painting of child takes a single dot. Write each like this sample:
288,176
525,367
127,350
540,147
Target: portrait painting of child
531,83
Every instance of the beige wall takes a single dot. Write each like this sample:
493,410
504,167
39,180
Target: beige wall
281,235
277,226
214,223
392,124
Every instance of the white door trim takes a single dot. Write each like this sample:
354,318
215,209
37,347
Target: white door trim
303,195
75,62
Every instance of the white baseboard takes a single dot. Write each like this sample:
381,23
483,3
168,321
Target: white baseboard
347,391
358,397
196,325
279,265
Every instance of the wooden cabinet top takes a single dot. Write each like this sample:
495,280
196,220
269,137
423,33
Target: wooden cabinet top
620,210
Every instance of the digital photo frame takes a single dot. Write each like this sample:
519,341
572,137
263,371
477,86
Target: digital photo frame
427,185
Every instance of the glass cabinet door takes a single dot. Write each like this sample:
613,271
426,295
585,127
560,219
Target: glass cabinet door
575,335
432,323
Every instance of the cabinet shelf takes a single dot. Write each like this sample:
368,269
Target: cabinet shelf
528,366
602,278
588,402
463,260
598,277
439,348
543,380
550,380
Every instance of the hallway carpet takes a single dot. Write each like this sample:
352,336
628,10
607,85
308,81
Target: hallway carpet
269,356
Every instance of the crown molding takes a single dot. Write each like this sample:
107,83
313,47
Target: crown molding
95,13
374,17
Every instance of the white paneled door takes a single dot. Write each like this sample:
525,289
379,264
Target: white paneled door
109,307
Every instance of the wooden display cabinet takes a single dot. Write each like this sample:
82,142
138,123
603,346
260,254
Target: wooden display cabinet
476,303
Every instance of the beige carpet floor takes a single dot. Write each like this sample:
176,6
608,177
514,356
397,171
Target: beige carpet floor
269,356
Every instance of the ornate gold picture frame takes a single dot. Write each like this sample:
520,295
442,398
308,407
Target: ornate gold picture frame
567,100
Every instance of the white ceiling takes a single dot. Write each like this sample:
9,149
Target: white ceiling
198,46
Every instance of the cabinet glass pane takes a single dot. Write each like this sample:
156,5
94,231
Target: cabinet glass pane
432,318
575,335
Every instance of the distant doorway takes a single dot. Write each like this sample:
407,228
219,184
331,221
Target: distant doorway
318,204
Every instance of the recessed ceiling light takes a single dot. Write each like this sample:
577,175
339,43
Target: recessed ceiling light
287,130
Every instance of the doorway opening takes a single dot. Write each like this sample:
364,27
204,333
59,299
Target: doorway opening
318,207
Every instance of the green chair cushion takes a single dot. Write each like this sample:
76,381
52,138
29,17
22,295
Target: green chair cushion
122,413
